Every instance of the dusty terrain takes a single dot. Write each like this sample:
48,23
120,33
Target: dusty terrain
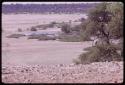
23,51
101,72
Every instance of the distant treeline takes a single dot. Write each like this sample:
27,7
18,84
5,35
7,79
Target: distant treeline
46,8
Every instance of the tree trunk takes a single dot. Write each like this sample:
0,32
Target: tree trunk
105,36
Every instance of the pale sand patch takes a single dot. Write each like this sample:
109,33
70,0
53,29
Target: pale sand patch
23,51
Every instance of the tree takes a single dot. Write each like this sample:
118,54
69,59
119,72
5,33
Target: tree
101,16
65,28
105,22
116,23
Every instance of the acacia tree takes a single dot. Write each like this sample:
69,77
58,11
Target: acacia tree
101,16
116,23
105,22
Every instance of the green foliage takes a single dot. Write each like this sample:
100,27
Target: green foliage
85,36
70,38
100,53
116,8
100,13
116,24
112,17
106,22
89,28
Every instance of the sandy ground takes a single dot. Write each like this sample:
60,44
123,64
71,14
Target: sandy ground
101,72
23,51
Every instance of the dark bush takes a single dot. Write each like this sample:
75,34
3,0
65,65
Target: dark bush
41,37
15,35
47,38
98,53
65,28
53,23
34,36
82,20
69,38
76,28
33,29
19,30
85,37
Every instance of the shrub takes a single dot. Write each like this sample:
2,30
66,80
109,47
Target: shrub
65,28
76,61
50,25
82,19
53,23
70,38
34,36
15,35
19,30
47,38
76,28
33,29
85,37
41,37
98,53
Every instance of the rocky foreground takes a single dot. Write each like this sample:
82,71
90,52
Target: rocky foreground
100,72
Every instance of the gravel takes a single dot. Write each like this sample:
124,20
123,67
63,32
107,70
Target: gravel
98,72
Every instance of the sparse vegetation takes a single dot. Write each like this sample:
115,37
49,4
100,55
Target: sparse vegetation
70,38
15,35
34,36
99,54
43,26
41,37
101,24
47,38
